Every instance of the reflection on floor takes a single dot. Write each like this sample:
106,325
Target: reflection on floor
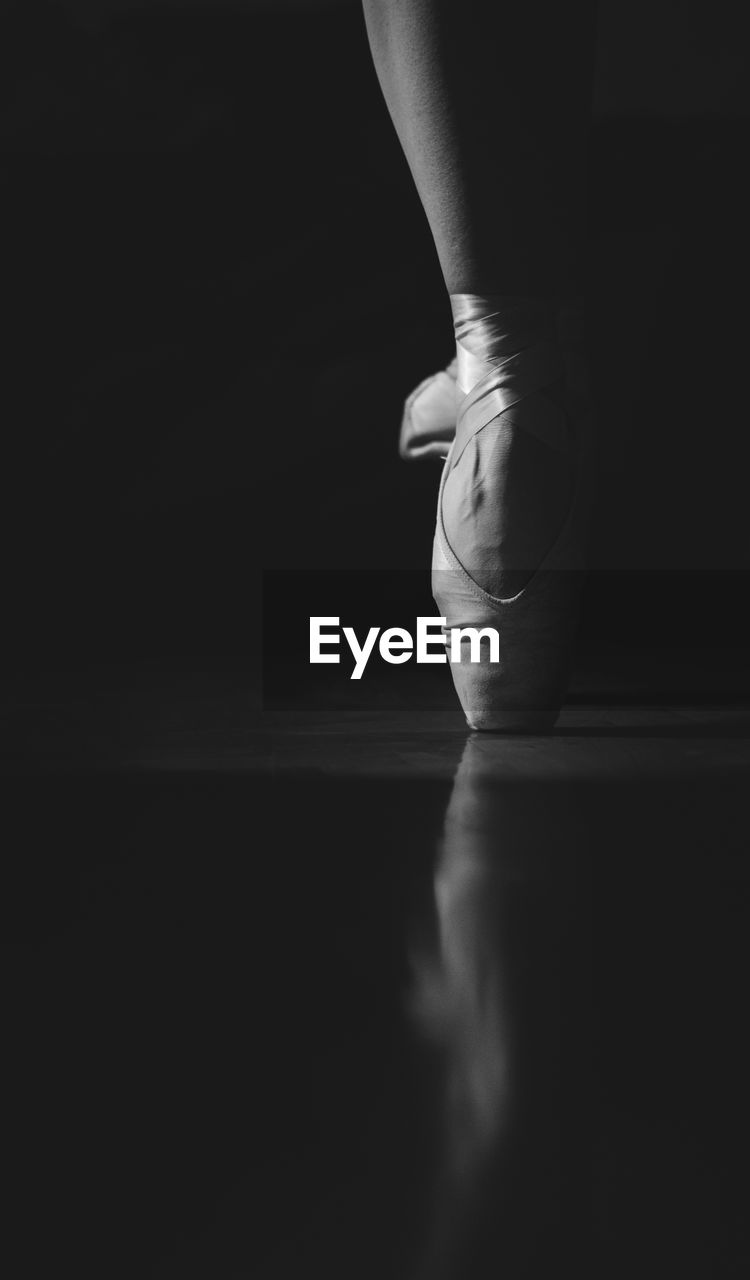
367,996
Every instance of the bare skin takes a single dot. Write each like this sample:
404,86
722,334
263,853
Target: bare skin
491,104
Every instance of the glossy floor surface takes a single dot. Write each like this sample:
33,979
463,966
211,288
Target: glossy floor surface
361,995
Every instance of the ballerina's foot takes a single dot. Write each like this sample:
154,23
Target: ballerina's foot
508,543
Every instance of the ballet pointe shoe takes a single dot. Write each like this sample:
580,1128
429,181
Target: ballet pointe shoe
534,383
428,424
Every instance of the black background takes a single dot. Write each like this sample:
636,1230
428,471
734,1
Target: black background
220,287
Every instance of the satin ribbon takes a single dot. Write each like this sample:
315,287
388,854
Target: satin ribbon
507,349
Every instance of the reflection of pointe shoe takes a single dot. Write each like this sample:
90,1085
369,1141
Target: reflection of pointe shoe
522,379
429,422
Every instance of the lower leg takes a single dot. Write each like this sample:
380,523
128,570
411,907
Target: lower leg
491,104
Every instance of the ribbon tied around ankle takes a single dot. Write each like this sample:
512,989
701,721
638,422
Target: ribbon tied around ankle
506,351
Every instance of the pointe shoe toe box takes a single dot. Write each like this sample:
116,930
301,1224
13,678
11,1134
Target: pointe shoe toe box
523,691
494,702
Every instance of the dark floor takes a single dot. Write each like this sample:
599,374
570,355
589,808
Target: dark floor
360,994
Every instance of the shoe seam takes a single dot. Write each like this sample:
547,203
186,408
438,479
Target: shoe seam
498,603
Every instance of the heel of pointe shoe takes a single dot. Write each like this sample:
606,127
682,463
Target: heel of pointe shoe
428,424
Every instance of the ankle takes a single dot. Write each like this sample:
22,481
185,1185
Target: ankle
492,329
